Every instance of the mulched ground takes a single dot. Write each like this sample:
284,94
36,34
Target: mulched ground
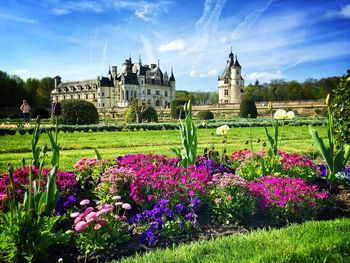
209,229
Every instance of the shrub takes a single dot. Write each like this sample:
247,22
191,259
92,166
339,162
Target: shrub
149,115
176,107
248,106
130,115
340,110
44,113
78,112
205,115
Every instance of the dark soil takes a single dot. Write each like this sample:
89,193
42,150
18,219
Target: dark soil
209,229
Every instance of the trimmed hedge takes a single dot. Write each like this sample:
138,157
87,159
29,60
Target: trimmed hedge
130,115
176,107
78,112
44,113
149,115
247,107
205,115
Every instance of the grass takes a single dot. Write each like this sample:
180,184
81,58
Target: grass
112,144
314,241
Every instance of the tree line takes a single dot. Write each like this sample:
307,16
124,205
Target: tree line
275,90
13,90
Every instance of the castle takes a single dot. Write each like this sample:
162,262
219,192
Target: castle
231,83
133,81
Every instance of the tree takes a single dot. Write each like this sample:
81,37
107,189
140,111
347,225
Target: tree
46,85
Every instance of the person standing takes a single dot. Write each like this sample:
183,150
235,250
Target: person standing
25,108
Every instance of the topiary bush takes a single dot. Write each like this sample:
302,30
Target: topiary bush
248,106
130,115
44,113
78,112
340,109
149,115
205,115
176,107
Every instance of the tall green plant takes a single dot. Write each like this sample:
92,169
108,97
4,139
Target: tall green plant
336,159
188,132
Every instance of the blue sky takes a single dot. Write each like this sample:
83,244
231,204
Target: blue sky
79,39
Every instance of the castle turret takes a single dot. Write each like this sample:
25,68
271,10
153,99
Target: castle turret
57,81
231,83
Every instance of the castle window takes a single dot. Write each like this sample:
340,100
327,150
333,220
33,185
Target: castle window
103,94
94,95
226,101
237,82
103,104
127,95
166,93
99,105
86,96
64,97
56,98
226,92
148,91
71,97
157,92
226,81
79,96
153,81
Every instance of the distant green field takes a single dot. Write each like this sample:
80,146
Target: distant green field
112,144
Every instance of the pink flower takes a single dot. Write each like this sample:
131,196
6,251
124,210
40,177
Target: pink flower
150,197
119,203
116,197
85,202
229,198
126,206
97,226
74,215
91,215
81,226
217,200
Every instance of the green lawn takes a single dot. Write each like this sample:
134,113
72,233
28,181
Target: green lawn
112,144
318,241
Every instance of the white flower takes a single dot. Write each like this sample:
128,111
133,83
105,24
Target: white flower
222,130
290,115
280,115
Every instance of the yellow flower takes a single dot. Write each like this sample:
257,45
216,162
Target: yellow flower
222,130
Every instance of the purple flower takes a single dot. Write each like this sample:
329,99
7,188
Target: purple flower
119,158
195,203
162,202
69,201
168,213
323,169
56,109
189,217
180,208
147,238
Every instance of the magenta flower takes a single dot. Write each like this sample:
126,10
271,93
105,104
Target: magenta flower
81,226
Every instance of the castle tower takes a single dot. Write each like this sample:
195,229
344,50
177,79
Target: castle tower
231,83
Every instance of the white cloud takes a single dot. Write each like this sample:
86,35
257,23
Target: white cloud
175,45
265,76
196,74
17,19
21,71
343,12
142,9
148,47
104,51
74,6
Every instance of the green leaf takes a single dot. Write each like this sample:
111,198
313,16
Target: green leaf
98,155
341,159
324,150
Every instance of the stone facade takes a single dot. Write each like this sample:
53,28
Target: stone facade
231,83
133,81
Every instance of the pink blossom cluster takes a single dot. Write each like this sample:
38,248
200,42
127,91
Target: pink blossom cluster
241,155
285,191
294,159
96,217
157,174
82,164
66,181
228,179
113,178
